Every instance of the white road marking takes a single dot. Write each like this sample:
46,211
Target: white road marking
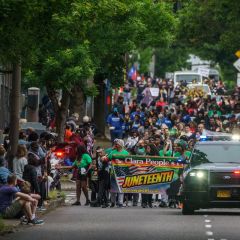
208,226
208,233
207,221
205,215
210,238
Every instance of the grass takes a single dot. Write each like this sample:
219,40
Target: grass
4,229
2,225
53,195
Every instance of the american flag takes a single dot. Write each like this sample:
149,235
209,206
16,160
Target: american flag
122,172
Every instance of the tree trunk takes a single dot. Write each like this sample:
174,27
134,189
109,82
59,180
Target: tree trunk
14,112
78,102
61,115
61,110
101,108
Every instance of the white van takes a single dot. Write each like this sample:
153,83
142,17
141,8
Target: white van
187,77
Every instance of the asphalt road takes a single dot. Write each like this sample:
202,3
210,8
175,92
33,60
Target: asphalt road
135,223
131,223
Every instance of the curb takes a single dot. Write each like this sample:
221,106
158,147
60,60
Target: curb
15,224
53,204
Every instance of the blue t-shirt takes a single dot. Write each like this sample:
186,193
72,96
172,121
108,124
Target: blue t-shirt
7,195
168,122
115,121
141,115
136,125
4,172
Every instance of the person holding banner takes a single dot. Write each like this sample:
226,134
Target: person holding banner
167,149
103,179
151,150
180,150
118,149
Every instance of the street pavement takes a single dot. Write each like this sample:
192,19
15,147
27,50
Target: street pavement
130,223
133,223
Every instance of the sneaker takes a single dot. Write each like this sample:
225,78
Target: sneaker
76,204
144,205
95,204
163,204
41,209
87,203
120,206
23,220
112,205
36,222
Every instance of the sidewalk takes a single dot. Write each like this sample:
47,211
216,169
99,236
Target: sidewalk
12,225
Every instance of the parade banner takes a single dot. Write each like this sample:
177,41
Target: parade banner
143,174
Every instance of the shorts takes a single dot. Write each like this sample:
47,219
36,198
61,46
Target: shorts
13,210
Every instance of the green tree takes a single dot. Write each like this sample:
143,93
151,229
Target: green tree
63,60
171,59
18,24
123,27
211,28
82,38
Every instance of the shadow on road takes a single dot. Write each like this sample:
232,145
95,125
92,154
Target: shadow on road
218,213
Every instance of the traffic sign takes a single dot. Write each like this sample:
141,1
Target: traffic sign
237,64
237,53
238,79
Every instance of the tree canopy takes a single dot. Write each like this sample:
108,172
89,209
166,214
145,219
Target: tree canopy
210,28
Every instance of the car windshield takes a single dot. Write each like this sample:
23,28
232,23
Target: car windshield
216,154
188,78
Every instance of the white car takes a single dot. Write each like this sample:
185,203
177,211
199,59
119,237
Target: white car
187,77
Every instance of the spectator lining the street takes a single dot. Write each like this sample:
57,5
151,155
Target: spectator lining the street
4,171
20,161
13,202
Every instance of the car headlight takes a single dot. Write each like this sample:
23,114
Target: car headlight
198,174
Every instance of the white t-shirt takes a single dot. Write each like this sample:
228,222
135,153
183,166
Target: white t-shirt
18,166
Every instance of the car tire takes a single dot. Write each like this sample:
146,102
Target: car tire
187,209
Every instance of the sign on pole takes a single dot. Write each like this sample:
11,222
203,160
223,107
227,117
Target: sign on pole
237,53
154,92
237,64
203,71
238,79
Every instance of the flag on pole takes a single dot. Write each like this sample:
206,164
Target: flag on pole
132,73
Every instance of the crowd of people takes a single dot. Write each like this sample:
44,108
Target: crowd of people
141,123
168,125
24,189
